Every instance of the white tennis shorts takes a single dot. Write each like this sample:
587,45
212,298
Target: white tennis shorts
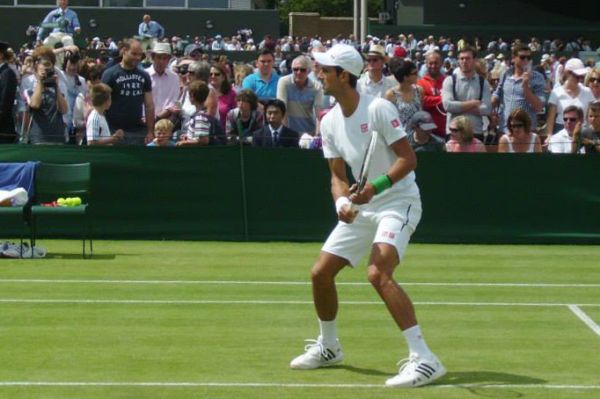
391,222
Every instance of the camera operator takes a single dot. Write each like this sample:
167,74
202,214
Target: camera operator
47,103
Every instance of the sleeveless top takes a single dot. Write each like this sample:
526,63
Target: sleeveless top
531,144
407,109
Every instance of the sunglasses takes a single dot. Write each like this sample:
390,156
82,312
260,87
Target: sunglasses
299,70
524,57
517,125
454,130
594,80
215,74
570,119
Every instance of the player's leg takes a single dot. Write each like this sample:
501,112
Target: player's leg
326,349
393,234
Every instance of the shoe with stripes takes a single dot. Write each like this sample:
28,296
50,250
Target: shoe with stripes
417,371
317,355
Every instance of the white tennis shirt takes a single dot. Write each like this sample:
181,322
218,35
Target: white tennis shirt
348,138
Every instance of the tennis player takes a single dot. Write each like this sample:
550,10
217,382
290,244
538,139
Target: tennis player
388,213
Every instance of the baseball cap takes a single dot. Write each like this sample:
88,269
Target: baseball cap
190,48
344,56
576,66
545,57
161,48
422,119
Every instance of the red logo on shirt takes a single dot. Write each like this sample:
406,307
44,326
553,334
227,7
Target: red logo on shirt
388,234
395,123
364,128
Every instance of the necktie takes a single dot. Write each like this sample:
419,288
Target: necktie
276,137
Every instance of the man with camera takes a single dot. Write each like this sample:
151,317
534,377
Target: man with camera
46,101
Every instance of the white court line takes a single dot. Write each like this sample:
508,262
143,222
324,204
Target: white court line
235,282
280,385
585,318
265,302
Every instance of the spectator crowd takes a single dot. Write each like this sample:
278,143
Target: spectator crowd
159,91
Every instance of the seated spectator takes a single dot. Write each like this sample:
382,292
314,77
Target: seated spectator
562,141
240,71
46,100
589,137
264,81
274,133
592,82
83,102
571,92
519,138
97,130
423,138
198,130
462,138
163,130
245,118
407,96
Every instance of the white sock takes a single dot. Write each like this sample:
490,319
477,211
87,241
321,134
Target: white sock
416,342
328,332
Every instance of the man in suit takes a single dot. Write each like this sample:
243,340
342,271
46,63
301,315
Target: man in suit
274,133
8,90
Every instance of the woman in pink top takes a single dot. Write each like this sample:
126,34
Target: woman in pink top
519,137
226,94
462,139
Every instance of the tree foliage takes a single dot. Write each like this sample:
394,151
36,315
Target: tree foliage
327,8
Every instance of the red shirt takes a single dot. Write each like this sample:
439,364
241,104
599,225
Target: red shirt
432,101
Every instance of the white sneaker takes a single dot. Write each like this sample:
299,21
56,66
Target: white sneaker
16,251
317,355
417,371
11,250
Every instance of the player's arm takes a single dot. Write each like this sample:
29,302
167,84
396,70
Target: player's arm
404,164
340,190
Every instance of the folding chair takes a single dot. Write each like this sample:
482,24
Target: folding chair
53,181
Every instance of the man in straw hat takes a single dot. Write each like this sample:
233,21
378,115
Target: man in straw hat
373,82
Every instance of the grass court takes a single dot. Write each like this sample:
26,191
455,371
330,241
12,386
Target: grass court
175,320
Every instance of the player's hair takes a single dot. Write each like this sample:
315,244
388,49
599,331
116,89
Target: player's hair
100,94
574,108
352,80
276,103
519,115
198,90
164,125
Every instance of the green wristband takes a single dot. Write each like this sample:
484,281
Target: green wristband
381,184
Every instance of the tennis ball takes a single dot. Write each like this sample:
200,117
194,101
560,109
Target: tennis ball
61,202
76,201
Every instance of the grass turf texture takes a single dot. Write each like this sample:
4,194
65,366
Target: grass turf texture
222,338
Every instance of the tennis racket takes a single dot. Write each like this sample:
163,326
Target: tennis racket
366,165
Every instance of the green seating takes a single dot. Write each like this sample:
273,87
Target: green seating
53,181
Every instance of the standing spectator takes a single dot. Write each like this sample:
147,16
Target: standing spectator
571,92
8,91
562,142
83,102
462,137
406,95
97,130
275,133
520,88
75,86
198,131
432,84
467,93
66,21
47,103
131,96
592,81
244,119
373,82
264,81
423,139
590,136
302,97
165,82
519,137
240,71
225,93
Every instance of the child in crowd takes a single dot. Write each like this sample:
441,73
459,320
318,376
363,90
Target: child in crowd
96,128
163,130
200,123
